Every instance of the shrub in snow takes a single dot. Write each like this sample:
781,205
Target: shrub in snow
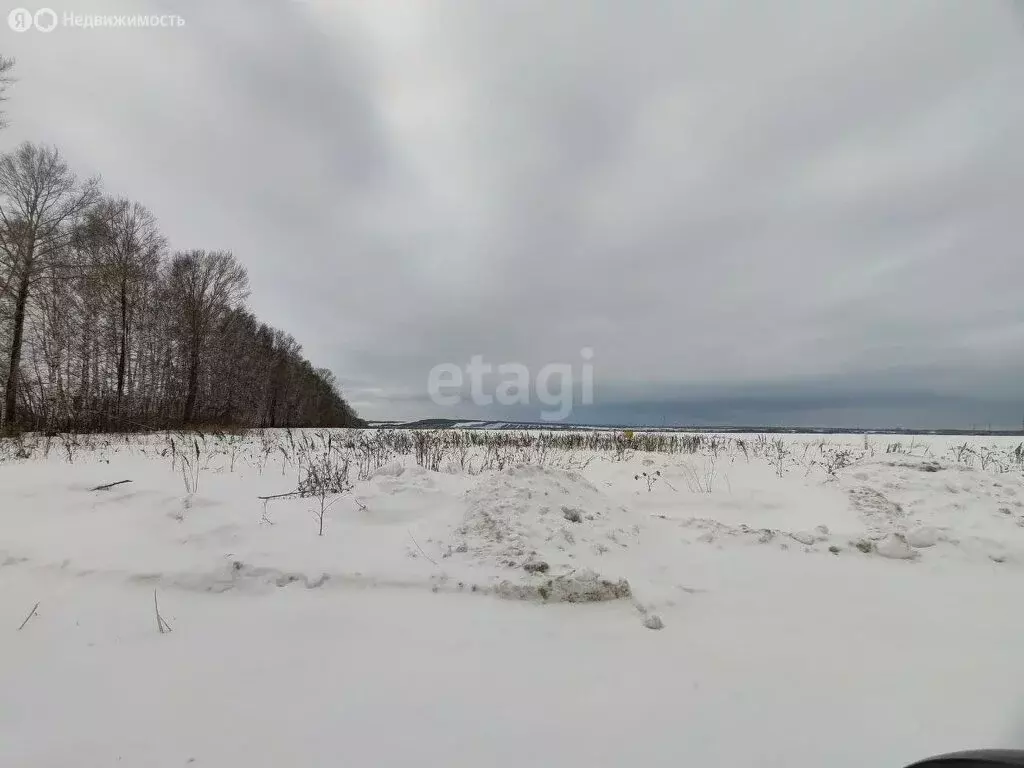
572,514
777,455
834,459
324,470
703,481
430,451
191,466
649,478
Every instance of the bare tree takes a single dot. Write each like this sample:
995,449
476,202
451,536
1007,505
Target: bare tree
127,245
40,203
205,285
6,65
97,329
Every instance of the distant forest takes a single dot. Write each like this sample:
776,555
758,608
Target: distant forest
104,327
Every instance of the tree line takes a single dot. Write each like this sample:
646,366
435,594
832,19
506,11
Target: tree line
104,327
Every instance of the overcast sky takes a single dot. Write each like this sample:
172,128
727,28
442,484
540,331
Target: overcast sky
753,212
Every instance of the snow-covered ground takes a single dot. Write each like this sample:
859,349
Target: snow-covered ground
822,601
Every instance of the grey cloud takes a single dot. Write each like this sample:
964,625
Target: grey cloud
719,197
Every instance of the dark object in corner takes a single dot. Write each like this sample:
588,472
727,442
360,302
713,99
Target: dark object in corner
982,758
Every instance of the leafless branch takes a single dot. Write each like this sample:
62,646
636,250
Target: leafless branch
30,615
421,549
279,495
108,486
161,625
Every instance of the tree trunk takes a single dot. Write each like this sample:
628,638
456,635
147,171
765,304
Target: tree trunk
272,409
123,356
11,393
193,383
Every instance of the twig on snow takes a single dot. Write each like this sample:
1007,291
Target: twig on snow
108,486
278,495
161,625
30,615
421,549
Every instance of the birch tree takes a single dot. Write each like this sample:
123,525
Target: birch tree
6,65
127,246
205,286
41,201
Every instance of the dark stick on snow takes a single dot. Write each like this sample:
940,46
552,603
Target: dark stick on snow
278,495
30,615
108,486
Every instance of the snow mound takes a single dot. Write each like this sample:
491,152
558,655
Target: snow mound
939,509
923,536
391,469
395,479
235,575
653,621
582,586
529,513
895,547
878,511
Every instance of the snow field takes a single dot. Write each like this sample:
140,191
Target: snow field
808,613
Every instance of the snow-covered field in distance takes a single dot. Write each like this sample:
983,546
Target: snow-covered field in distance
721,430
823,601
